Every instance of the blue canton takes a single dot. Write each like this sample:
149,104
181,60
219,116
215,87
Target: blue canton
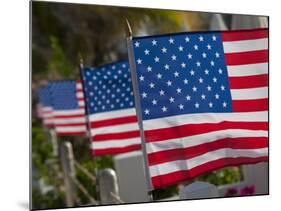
108,88
44,95
181,74
64,95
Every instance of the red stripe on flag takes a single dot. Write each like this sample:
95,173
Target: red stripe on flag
250,57
116,136
245,82
178,176
49,125
244,35
71,133
113,151
70,124
116,121
67,116
195,129
250,105
190,152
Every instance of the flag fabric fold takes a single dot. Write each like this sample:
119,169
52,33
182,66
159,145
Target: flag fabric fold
203,101
110,108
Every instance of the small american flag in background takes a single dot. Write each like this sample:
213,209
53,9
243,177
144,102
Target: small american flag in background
111,110
204,101
44,107
68,108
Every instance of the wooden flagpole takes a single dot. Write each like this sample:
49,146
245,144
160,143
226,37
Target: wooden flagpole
132,63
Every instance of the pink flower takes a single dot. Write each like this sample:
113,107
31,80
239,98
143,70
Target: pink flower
231,192
248,190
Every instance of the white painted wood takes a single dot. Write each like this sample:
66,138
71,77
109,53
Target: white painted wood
257,174
131,177
107,180
198,190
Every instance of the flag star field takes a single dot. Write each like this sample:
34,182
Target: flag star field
182,74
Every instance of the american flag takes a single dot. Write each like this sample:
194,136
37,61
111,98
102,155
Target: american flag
204,101
111,110
68,108
44,107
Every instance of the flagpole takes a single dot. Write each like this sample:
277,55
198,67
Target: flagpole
129,36
81,66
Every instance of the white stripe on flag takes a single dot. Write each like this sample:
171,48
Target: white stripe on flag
47,109
69,112
245,45
48,120
167,122
48,115
112,114
115,143
249,94
79,94
65,129
78,85
115,129
81,103
69,120
247,69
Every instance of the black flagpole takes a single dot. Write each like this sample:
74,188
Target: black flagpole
137,104
81,67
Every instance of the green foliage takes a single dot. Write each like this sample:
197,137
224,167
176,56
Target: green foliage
86,181
41,149
46,201
48,167
60,31
223,176
104,161
165,193
58,63
42,153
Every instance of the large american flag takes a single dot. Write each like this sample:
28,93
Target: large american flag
204,101
111,111
44,106
68,108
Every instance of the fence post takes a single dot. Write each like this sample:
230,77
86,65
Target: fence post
108,186
67,160
54,141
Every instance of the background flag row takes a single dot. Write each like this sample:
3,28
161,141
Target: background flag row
109,101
